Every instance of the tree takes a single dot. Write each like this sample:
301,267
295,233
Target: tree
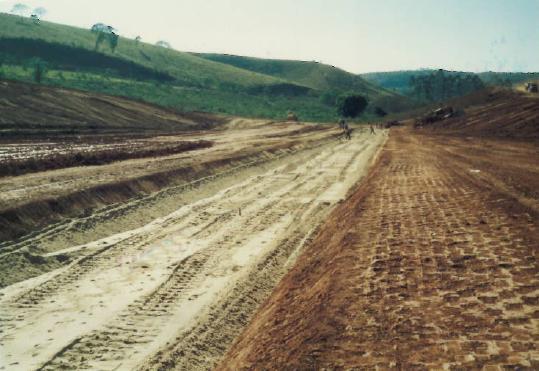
40,12
379,111
104,32
100,37
351,105
20,9
99,27
138,39
163,44
113,41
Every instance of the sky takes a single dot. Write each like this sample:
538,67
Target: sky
356,35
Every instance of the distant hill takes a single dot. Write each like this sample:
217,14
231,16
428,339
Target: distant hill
330,80
312,74
179,80
399,81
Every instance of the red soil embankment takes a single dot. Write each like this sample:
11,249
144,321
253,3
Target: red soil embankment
425,266
504,114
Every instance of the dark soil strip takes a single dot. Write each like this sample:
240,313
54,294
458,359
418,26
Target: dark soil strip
19,167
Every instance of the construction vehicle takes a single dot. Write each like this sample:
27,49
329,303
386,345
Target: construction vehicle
291,116
531,87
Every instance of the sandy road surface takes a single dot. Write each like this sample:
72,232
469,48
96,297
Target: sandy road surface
431,264
176,292
259,136
54,210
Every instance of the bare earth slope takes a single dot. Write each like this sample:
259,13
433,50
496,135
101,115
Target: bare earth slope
35,109
503,113
431,264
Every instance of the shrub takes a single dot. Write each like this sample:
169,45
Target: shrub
379,111
351,105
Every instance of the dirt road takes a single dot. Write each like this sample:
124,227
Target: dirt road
47,211
177,291
431,264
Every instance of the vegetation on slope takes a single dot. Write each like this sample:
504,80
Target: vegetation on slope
312,74
331,81
67,57
401,81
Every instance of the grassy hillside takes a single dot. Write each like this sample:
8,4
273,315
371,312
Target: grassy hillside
500,78
312,74
331,81
184,67
171,78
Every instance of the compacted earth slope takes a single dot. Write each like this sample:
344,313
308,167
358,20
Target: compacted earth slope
502,114
430,264
28,109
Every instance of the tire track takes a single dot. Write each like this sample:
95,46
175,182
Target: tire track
241,240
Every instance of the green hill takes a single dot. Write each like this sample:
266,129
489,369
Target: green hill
312,74
399,81
328,80
184,67
170,78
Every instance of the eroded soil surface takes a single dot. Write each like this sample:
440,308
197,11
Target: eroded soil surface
431,264
32,110
174,291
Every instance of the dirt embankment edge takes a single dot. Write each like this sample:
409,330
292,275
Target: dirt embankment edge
34,216
309,264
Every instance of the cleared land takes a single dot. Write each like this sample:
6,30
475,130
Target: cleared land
175,260
431,264
37,111
173,254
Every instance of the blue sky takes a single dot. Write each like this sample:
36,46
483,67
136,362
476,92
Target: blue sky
357,35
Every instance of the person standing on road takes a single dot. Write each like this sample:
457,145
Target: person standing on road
347,131
343,126
372,130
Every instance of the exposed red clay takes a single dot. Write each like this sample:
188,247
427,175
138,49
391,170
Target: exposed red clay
430,264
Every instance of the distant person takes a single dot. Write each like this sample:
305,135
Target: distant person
372,130
347,131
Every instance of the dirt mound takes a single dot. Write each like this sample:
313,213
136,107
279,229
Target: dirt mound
27,109
504,114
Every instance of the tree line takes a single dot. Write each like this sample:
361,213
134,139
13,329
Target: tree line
440,85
